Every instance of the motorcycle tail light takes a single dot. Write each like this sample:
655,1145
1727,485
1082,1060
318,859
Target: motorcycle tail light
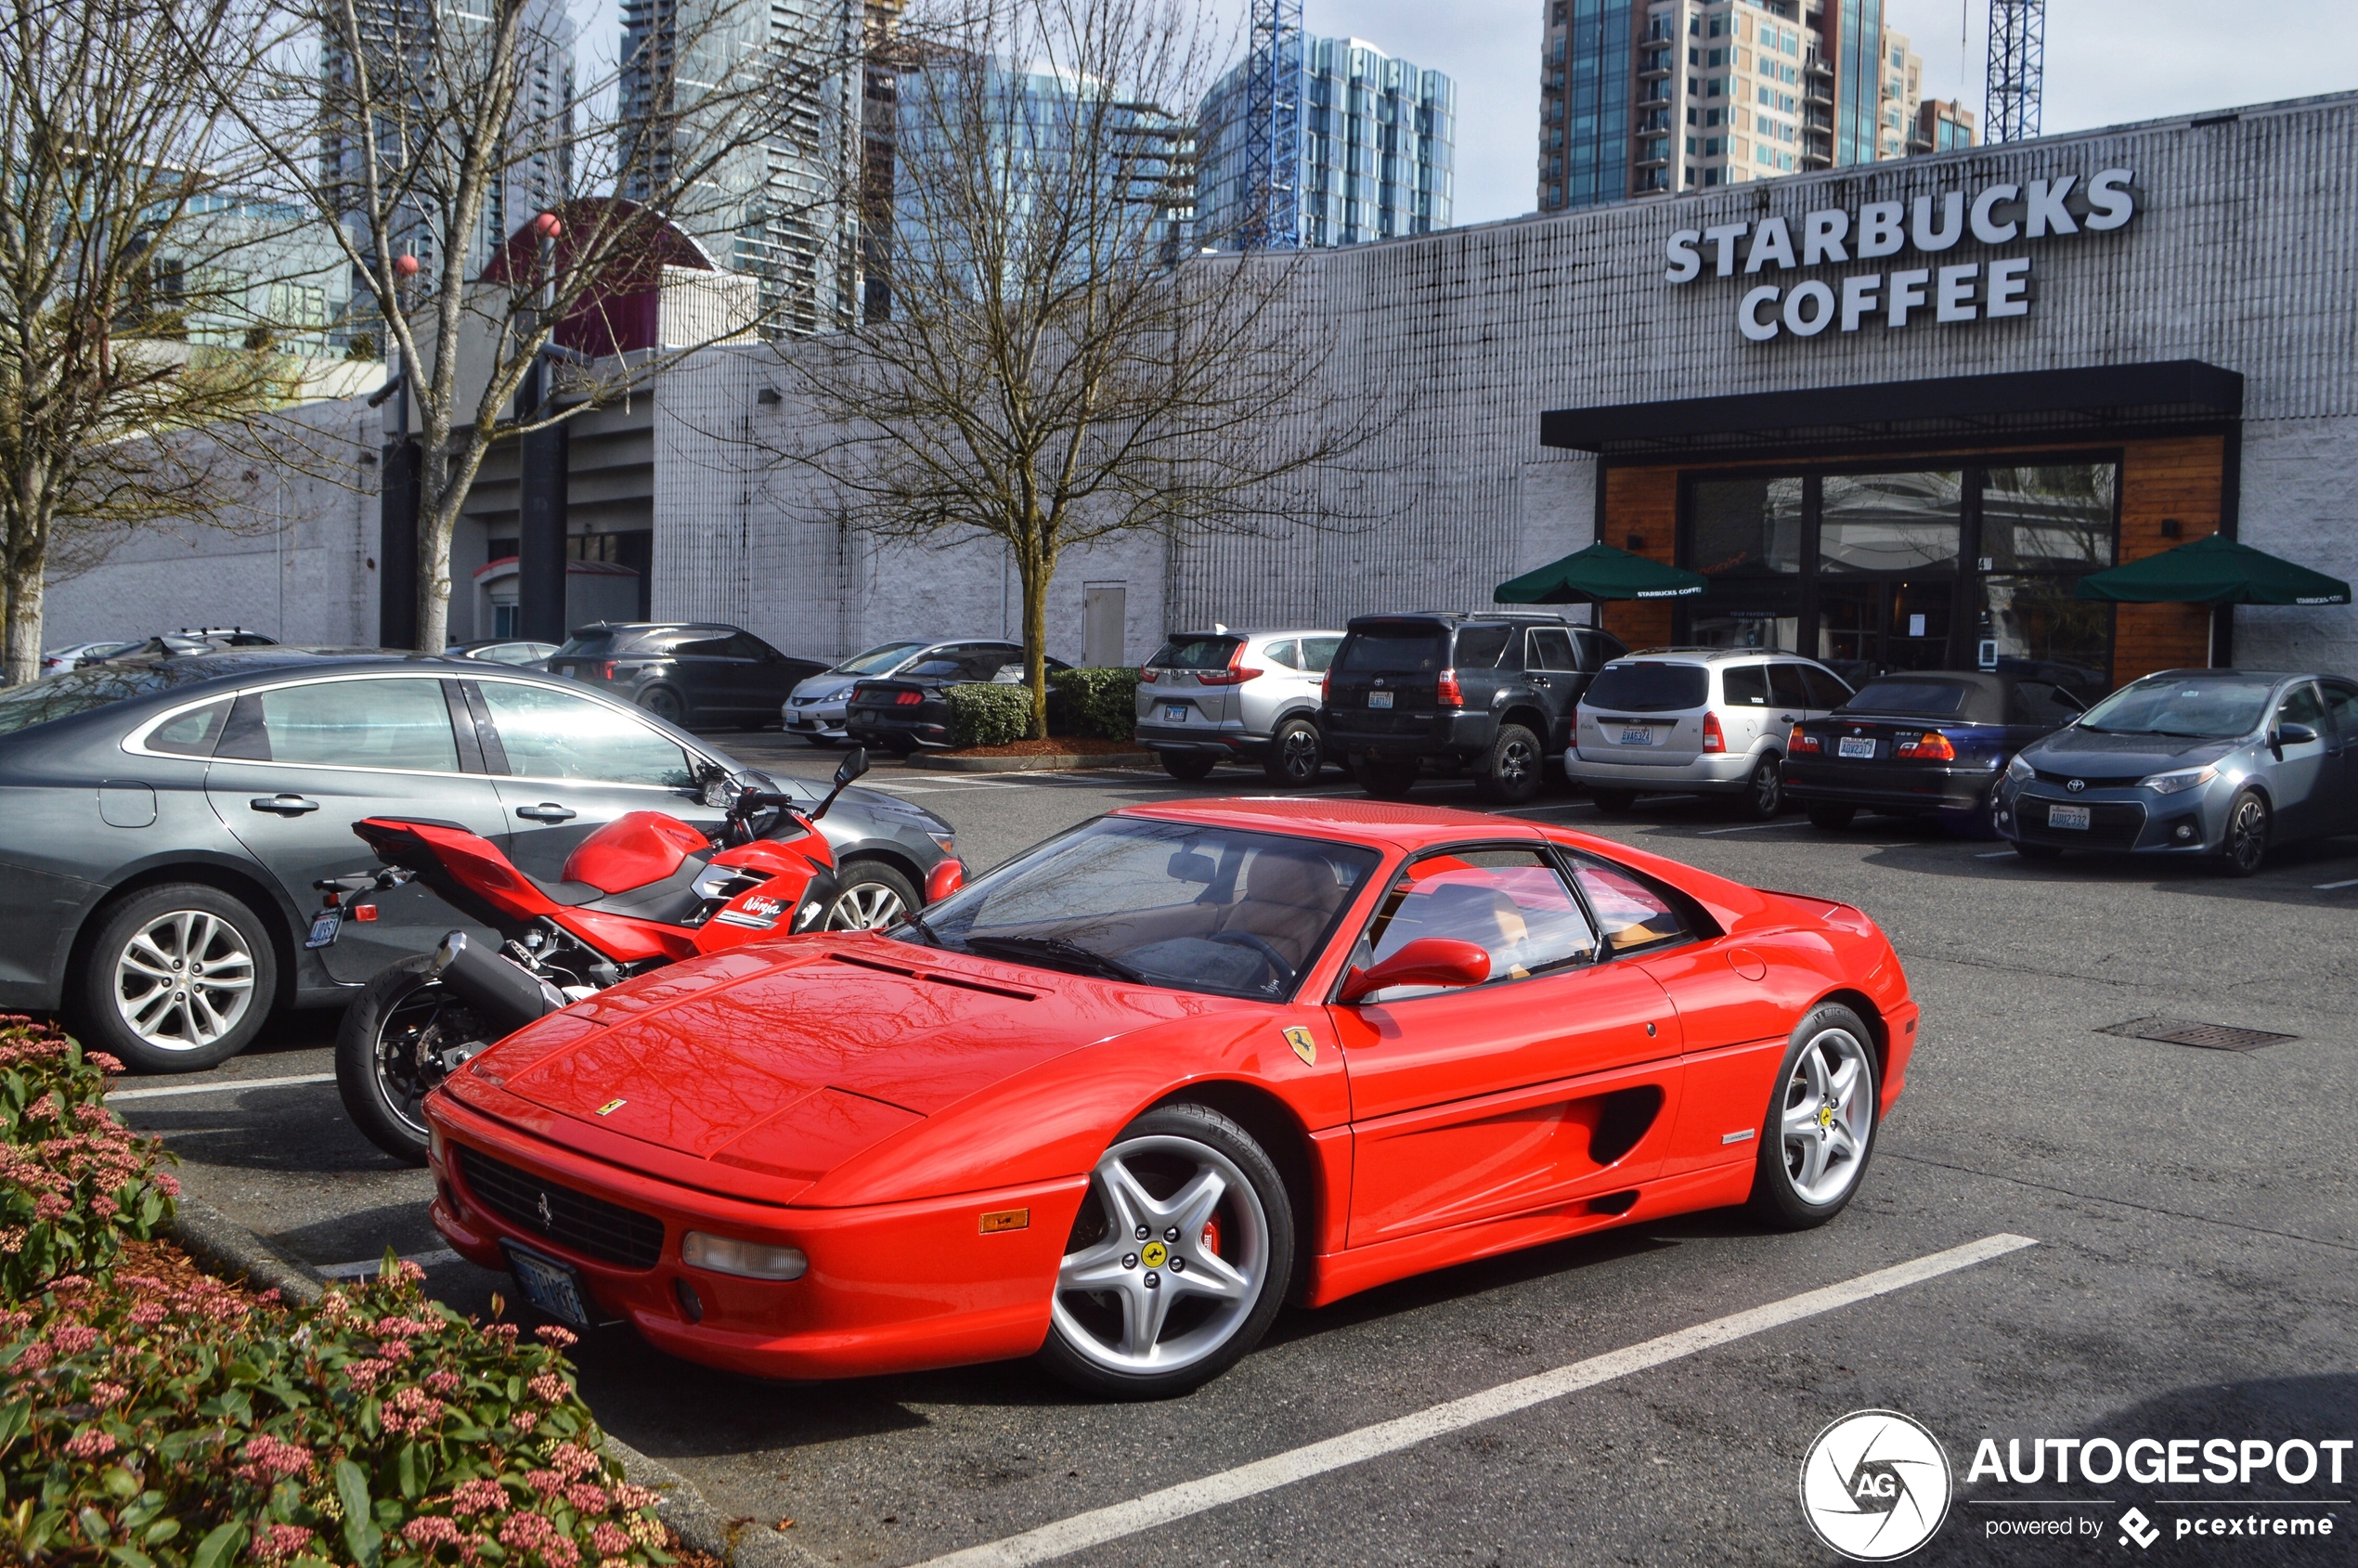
1797,742
1930,746
1714,737
1446,691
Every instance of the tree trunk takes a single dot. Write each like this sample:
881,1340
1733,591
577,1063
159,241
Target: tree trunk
24,621
434,528
1037,571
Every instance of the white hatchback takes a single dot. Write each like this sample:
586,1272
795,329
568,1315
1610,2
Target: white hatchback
1696,721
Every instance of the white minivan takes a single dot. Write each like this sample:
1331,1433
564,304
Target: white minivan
1696,721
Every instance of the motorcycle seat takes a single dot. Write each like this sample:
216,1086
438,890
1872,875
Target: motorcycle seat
571,895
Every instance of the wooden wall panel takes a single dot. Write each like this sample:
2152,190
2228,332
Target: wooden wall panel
2179,479
1641,503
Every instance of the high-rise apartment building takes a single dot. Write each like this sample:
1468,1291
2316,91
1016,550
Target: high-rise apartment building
1377,154
1639,97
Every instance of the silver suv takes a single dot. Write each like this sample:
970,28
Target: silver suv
1215,696
1696,721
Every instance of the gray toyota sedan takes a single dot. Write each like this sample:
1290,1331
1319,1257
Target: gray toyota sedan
2192,763
162,821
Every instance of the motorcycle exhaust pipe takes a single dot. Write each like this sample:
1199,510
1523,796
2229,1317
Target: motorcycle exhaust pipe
502,991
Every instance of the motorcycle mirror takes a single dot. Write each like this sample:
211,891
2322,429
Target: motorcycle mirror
852,765
716,787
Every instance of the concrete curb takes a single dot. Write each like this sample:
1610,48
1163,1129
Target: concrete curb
225,1247
1058,762
228,1249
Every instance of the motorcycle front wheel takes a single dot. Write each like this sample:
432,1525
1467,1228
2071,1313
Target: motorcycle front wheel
388,1049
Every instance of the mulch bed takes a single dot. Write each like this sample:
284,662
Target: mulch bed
1055,745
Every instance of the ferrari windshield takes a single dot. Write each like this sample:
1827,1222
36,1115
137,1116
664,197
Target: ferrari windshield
2210,708
1176,905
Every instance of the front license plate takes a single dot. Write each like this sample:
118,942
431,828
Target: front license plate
1856,746
2073,817
324,926
1379,699
550,1285
1175,713
1637,735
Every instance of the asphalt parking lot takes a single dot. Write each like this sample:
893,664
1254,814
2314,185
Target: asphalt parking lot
2194,1271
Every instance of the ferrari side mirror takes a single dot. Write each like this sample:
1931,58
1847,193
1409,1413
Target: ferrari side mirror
1440,961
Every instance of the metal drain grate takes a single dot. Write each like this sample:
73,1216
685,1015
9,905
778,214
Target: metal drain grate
2208,1037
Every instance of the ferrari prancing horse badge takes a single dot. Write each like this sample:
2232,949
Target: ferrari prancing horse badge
1304,1047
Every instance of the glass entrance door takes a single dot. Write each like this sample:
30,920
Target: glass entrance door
1872,626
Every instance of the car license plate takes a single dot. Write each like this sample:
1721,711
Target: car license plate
1637,735
550,1285
2073,817
1379,699
1856,746
324,926
1175,713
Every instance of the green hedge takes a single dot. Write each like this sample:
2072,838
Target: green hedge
1100,702
163,1420
988,713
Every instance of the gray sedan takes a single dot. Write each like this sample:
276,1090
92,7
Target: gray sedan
2191,763
163,821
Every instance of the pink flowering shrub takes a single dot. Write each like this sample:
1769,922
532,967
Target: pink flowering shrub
74,1181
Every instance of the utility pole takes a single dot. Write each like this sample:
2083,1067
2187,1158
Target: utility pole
2018,68
1273,128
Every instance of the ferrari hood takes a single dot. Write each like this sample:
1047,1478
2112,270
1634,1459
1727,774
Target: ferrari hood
788,1060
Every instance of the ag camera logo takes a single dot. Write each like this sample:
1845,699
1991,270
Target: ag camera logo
1875,1486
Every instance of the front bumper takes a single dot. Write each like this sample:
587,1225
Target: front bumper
1716,773
2123,818
1888,788
891,1288
819,719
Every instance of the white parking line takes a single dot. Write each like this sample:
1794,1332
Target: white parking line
1100,1525
2329,887
1993,854
1748,827
219,1086
368,1268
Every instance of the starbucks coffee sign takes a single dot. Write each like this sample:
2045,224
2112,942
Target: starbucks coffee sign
1948,293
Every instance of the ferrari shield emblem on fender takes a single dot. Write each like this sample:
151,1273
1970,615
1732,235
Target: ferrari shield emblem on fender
1304,1046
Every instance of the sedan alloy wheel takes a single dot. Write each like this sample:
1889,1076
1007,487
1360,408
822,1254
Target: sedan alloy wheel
184,981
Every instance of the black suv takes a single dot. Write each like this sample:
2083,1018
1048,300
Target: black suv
1493,693
683,672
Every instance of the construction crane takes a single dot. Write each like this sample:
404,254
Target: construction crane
1273,129
2017,68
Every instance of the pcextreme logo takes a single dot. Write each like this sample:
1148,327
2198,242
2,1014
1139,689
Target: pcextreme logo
1875,1486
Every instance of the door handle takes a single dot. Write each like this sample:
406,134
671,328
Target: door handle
1786,718
546,812
283,805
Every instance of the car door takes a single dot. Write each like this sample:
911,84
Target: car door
2301,773
1537,1086
1747,708
565,764
1553,666
298,764
2341,782
764,677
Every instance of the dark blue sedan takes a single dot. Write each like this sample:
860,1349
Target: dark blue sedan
1933,743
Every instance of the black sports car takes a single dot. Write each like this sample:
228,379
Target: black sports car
908,710
1931,742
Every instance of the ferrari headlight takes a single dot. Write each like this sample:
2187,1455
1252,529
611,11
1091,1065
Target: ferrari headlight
2180,782
2020,771
753,1260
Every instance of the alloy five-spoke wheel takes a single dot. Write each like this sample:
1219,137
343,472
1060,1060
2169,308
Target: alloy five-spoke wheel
1821,1126
1296,756
1177,1259
176,977
2245,844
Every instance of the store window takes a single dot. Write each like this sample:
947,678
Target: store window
1891,522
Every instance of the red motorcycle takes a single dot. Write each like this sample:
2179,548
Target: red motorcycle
643,892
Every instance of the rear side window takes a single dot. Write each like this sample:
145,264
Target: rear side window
399,725
1784,684
1931,698
1196,653
1599,647
1393,652
1286,655
1632,912
1319,653
1649,688
1479,647
194,732
1745,685
1549,649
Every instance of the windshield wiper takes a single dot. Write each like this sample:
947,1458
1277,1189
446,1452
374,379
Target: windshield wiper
1058,948
932,936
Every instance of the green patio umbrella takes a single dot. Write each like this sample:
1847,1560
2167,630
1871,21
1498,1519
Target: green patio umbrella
1599,573
2214,571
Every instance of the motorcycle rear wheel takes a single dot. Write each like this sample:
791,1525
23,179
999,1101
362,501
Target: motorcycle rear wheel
378,1074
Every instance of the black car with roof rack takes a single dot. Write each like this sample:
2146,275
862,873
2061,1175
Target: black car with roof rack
1921,742
1491,691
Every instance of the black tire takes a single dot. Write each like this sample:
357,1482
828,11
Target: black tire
665,705
1191,766
400,1016
179,1030
2030,851
825,740
2244,847
869,897
1777,1198
1834,819
1763,792
1613,802
1512,770
1297,754
1164,1134
1388,780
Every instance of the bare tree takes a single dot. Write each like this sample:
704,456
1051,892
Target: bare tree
118,237
433,137
1057,368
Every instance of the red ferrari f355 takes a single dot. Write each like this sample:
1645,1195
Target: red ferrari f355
1117,1102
